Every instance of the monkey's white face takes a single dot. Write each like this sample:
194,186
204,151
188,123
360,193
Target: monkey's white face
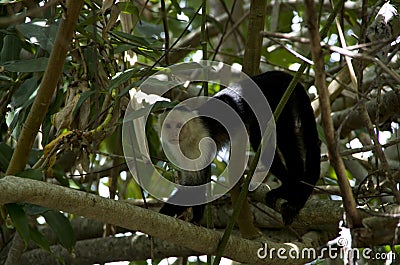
182,132
171,132
176,127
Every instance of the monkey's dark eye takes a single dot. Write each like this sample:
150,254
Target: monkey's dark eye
179,125
168,126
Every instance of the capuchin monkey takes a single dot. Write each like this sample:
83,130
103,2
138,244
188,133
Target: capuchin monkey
297,157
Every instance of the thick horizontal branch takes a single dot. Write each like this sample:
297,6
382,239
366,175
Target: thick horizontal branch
14,190
388,106
126,215
107,249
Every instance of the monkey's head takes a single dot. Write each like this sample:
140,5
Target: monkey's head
179,126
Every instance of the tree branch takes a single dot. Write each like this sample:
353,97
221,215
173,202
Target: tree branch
108,249
389,105
47,88
34,12
15,189
317,55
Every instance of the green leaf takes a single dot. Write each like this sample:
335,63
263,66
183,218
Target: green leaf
153,138
128,8
156,107
24,92
285,21
33,209
126,89
137,114
121,78
124,47
85,95
176,6
134,39
148,30
5,156
39,239
281,57
163,105
35,174
91,57
43,33
35,155
62,228
19,219
16,123
27,66
11,48
60,175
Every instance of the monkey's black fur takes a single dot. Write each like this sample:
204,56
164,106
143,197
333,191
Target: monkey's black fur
298,163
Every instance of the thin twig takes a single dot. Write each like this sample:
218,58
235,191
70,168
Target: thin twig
7,21
335,159
166,32
366,57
